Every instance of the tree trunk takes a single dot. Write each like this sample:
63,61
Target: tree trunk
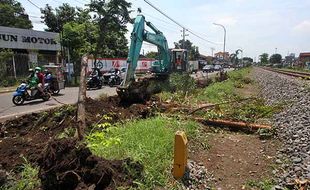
81,101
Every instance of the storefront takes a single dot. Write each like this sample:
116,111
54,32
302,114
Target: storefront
30,47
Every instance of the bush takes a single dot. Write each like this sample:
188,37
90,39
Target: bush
9,81
182,82
28,178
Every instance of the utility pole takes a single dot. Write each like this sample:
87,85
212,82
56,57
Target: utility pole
183,35
212,49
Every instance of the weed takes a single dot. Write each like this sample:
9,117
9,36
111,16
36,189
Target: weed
67,133
28,178
149,141
265,133
266,184
183,83
250,111
216,92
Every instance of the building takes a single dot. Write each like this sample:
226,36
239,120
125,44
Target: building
222,55
30,48
304,59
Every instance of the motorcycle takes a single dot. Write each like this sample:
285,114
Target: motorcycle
52,86
22,94
114,80
94,82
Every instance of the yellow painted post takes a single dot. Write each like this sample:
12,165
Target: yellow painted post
180,154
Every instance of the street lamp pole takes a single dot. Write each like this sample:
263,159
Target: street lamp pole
224,49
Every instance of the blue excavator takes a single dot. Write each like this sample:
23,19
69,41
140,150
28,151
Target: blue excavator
168,61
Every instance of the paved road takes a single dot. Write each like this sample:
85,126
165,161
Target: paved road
67,96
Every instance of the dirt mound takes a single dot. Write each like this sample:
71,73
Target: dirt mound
67,165
28,135
113,107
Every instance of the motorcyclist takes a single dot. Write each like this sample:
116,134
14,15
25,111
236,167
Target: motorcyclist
96,74
41,79
48,76
33,81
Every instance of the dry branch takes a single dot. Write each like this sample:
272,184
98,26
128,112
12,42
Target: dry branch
234,124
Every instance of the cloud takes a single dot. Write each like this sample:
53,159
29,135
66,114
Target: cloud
303,27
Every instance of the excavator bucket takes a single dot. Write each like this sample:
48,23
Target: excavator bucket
141,91
135,93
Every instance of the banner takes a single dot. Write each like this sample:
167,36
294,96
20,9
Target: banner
106,64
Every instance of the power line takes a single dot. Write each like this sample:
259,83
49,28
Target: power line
163,13
184,28
34,4
201,37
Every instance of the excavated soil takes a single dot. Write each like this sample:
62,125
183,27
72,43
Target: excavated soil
28,135
66,165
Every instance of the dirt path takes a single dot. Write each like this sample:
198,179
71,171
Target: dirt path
236,159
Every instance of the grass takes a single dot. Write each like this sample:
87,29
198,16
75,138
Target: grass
223,91
296,69
266,184
238,109
28,179
214,93
148,141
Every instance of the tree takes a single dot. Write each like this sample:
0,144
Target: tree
5,56
248,59
275,58
55,20
12,14
264,58
234,57
111,18
79,39
193,51
151,54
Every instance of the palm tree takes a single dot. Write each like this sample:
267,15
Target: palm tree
234,57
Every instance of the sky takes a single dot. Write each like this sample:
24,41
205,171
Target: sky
255,26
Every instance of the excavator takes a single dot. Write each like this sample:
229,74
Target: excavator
134,89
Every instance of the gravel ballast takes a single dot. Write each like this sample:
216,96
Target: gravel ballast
292,124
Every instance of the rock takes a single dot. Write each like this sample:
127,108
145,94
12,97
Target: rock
297,160
296,169
292,124
278,161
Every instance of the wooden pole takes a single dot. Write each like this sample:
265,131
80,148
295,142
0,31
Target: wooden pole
233,124
81,101
14,66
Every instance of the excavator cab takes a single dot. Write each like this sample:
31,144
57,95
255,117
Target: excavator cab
179,60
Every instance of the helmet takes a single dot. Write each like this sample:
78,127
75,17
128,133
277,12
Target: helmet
46,71
30,70
37,69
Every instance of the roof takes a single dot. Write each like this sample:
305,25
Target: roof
305,54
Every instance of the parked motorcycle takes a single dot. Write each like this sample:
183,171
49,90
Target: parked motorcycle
52,86
114,80
22,94
94,82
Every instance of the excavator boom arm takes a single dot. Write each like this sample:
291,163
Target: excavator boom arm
139,35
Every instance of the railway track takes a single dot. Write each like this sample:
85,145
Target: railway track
298,74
